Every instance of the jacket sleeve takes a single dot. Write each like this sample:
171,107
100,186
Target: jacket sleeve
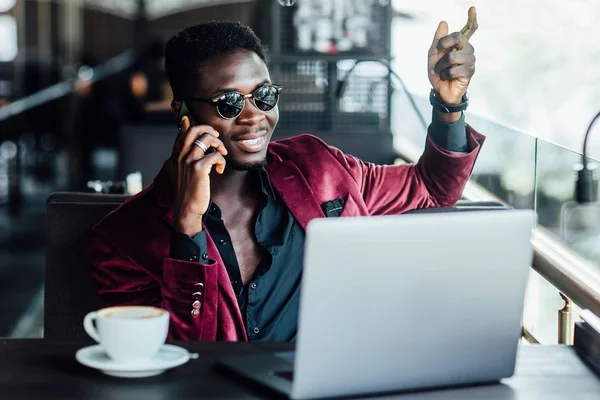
436,180
121,281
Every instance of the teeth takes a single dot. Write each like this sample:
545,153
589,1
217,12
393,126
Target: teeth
252,141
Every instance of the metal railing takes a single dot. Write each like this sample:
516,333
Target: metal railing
60,89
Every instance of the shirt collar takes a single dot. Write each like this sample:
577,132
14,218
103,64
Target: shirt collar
265,186
265,183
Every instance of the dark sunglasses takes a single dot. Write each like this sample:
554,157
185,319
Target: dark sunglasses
231,104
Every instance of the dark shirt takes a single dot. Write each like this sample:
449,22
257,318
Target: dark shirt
270,302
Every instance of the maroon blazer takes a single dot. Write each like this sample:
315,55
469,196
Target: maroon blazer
129,248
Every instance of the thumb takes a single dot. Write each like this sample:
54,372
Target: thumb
442,30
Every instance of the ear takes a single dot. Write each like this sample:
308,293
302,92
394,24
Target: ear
176,106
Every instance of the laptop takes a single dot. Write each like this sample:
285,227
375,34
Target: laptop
403,303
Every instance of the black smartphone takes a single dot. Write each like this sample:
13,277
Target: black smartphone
185,112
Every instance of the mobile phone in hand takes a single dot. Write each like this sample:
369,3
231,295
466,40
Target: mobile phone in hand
185,112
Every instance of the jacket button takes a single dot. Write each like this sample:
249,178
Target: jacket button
196,304
204,256
193,258
197,294
256,330
253,285
199,285
195,313
222,242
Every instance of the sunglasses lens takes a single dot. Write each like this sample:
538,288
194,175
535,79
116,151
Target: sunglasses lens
266,97
231,105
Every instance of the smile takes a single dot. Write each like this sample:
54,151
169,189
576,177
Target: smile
254,145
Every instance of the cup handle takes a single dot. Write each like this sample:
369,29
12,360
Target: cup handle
88,325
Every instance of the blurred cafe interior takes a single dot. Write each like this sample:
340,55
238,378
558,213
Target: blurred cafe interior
86,118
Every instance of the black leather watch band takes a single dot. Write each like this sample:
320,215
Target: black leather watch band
442,107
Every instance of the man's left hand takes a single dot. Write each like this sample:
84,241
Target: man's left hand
451,62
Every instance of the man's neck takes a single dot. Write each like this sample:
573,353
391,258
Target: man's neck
232,185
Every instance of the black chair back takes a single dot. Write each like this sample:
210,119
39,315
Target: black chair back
69,289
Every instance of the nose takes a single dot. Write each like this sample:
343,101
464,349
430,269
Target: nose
250,114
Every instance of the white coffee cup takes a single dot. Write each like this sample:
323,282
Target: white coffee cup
129,334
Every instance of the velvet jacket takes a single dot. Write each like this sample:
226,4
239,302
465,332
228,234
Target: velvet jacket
129,248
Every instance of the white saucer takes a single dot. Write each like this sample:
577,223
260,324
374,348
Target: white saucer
168,356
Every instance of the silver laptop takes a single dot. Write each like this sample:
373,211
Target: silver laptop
400,303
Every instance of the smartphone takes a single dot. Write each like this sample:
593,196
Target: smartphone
185,112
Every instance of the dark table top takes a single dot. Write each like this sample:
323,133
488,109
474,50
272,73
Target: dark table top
36,368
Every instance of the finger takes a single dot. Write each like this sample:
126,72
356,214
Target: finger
197,152
459,71
441,31
454,58
213,159
192,134
455,40
471,26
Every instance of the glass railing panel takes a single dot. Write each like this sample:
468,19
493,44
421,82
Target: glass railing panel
506,163
578,225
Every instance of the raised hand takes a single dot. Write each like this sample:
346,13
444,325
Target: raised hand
451,60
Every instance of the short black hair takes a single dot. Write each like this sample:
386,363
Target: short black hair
187,49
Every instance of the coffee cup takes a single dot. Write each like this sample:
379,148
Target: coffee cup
128,334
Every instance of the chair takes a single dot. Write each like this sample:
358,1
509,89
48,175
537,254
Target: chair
69,289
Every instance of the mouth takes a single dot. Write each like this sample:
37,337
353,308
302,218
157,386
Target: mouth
253,143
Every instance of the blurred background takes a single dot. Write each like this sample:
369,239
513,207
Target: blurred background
85,106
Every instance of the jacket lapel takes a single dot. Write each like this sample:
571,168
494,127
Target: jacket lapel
295,192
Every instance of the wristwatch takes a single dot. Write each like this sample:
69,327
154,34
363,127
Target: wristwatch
442,107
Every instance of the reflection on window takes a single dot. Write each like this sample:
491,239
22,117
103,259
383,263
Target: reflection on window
8,33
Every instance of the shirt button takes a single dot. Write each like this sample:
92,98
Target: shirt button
195,313
199,285
196,305
212,209
193,258
256,330
253,285
196,295
222,242
204,256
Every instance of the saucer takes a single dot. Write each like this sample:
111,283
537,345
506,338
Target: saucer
167,357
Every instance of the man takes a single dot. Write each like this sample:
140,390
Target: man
218,239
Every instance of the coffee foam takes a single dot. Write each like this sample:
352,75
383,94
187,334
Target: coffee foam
131,312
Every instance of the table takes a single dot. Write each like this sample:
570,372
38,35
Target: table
37,368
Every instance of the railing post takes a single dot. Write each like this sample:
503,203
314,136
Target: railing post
566,322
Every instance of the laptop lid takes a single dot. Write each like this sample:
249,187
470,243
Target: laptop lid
409,302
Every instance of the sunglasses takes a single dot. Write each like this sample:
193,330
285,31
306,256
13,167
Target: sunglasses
231,104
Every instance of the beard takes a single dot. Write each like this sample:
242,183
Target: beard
252,166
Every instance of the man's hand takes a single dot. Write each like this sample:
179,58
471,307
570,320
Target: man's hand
451,62
193,167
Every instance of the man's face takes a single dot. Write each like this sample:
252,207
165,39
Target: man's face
245,137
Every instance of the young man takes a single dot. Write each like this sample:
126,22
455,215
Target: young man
218,239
